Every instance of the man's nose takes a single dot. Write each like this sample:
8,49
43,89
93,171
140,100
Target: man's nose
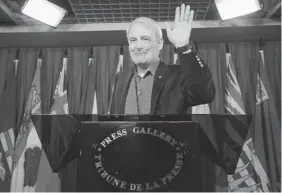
139,44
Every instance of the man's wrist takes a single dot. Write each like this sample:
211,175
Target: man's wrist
184,49
181,44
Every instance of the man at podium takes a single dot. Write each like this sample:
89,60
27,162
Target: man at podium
153,151
151,86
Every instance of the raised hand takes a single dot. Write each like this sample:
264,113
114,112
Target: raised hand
179,35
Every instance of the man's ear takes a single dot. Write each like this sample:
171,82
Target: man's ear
161,44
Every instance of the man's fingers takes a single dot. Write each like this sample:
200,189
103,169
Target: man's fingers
176,18
182,12
187,12
191,17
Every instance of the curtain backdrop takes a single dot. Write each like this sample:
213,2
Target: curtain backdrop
102,73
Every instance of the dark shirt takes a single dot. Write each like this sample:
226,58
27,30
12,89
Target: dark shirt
144,91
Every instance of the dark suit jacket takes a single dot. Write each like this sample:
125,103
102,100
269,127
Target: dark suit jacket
175,87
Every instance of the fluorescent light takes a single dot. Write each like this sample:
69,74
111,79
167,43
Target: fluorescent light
44,11
234,8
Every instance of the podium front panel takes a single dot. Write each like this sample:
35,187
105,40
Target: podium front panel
141,156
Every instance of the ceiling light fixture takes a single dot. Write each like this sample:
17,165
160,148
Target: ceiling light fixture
44,11
229,9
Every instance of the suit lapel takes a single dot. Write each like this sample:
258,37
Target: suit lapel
161,75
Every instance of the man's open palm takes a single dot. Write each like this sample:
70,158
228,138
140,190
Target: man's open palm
179,34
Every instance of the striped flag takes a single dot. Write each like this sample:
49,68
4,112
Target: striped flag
7,126
28,145
233,96
247,177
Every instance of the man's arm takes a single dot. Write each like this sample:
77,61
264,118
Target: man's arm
196,80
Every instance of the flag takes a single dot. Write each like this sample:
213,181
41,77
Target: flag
28,145
7,127
201,109
175,56
47,180
61,142
119,69
60,105
233,96
247,177
120,62
267,141
95,106
88,87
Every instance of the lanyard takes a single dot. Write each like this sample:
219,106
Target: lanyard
137,96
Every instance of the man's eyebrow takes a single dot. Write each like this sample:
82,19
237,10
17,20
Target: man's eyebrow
145,37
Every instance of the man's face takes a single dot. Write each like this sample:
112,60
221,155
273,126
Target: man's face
144,47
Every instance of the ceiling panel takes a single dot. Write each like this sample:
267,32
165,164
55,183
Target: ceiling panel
112,11
117,11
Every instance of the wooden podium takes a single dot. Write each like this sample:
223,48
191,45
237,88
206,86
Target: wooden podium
167,153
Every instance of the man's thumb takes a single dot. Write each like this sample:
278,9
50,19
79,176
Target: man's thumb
168,29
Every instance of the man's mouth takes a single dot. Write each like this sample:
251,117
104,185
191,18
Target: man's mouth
140,53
